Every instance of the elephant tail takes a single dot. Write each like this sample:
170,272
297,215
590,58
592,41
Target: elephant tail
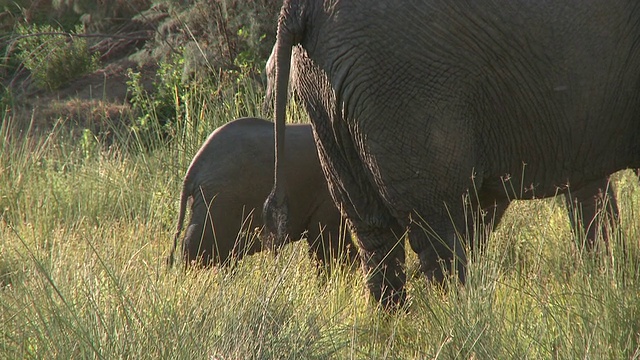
185,194
275,210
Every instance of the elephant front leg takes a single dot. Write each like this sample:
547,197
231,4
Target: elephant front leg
383,256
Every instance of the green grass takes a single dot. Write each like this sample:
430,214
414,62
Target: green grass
86,226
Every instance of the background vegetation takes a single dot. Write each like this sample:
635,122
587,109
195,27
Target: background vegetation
88,204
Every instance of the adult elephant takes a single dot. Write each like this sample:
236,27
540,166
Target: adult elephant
590,209
414,103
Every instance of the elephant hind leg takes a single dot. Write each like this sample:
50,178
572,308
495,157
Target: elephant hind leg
209,244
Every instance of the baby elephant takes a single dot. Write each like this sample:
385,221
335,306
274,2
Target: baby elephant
229,179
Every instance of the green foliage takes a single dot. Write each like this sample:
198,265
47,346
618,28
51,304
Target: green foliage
177,104
6,98
88,143
156,111
160,111
54,57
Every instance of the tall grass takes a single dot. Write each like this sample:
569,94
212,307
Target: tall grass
85,229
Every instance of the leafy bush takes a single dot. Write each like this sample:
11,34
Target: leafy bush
54,57
159,110
176,104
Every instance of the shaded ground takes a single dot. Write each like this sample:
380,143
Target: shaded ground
87,101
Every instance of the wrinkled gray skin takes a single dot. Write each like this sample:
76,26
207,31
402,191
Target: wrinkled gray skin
413,103
586,206
231,176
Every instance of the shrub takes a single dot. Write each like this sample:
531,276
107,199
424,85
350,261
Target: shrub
157,111
54,57
176,104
